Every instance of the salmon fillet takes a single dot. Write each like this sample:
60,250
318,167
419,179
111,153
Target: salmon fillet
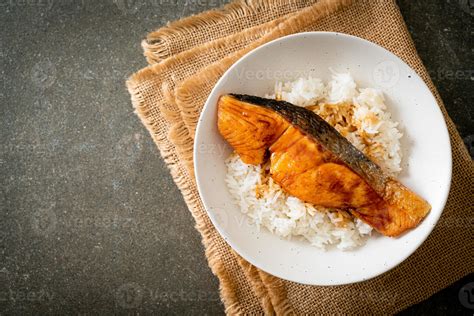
310,160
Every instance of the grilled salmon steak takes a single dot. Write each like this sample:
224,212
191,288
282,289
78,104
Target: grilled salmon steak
310,160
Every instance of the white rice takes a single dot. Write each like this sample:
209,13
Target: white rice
370,129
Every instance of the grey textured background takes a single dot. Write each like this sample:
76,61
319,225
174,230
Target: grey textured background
90,220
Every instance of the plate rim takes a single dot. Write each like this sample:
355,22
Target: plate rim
222,231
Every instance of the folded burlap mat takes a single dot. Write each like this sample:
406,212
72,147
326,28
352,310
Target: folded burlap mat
188,57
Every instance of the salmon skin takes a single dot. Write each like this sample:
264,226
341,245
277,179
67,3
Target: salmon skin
310,160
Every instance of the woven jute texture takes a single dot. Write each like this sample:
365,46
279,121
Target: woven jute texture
188,57
183,34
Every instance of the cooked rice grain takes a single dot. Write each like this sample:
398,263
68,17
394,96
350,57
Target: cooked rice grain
361,116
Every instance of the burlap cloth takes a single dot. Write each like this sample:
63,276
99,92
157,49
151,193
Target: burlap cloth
186,59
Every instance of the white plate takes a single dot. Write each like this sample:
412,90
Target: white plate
426,162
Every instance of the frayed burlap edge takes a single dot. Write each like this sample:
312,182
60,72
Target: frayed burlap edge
159,44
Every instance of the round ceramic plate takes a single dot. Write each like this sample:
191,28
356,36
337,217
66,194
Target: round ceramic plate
426,154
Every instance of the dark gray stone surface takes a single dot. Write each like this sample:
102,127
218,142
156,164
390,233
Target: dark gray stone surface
90,220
